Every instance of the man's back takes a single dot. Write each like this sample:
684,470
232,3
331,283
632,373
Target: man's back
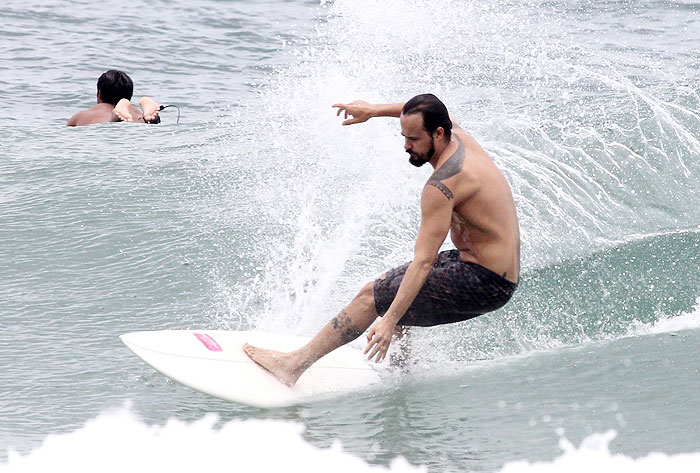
484,223
99,113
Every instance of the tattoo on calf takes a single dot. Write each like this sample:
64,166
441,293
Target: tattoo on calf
342,323
451,167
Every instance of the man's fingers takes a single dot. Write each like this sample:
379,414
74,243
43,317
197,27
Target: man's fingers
351,110
380,352
341,107
344,111
376,349
370,343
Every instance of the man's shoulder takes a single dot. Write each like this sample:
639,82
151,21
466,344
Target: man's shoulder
457,183
99,113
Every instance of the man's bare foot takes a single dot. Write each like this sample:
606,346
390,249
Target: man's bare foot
279,364
122,111
150,109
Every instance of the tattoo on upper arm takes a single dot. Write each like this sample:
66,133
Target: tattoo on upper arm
442,187
348,331
451,167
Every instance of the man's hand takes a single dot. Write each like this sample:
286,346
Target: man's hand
122,111
150,110
360,110
379,338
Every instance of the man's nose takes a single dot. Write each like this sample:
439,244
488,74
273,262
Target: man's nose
407,145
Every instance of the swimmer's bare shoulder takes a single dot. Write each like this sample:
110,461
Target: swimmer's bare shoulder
98,113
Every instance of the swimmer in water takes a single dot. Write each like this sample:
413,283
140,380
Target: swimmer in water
114,91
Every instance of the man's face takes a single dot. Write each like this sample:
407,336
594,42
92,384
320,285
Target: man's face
419,144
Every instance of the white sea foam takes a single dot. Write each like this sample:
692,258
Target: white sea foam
665,324
118,441
594,455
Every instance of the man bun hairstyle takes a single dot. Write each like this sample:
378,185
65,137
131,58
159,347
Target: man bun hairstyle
115,85
434,113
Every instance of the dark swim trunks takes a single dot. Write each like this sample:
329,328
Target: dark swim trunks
454,291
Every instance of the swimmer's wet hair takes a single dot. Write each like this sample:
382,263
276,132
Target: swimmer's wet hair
115,85
434,113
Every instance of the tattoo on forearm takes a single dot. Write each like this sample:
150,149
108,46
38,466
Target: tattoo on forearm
451,167
342,323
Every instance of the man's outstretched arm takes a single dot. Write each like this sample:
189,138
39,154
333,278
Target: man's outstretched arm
150,110
124,111
362,111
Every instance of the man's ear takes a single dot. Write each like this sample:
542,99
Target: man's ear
99,97
439,133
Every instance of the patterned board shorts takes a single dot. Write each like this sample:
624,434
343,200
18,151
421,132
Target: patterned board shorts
454,291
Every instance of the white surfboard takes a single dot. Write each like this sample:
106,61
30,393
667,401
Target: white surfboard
213,362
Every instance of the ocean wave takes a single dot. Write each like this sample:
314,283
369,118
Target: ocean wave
669,324
594,455
117,440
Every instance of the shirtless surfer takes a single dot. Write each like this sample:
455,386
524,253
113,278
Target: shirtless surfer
114,91
466,196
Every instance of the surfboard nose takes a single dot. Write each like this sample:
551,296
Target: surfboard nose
137,339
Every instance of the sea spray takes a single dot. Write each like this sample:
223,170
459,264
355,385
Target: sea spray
595,151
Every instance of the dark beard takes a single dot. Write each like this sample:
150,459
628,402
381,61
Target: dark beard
420,159
417,161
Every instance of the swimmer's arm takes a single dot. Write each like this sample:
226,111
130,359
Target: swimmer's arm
436,216
150,110
362,111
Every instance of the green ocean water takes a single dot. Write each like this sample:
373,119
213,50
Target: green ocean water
258,210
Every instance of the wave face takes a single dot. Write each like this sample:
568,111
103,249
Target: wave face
598,139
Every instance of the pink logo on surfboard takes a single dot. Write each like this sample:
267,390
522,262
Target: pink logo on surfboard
208,342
